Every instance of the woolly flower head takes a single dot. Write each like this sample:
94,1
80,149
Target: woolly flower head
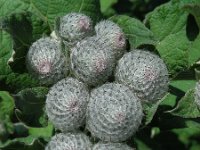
111,35
73,27
111,146
114,113
91,63
145,73
69,141
46,61
66,104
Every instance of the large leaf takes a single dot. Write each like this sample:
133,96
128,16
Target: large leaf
23,38
150,110
30,103
168,23
5,47
135,31
177,90
6,105
185,134
192,6
8,79
45,132
28,138
13,81
23,143
187,108
169,101
17,82
106,7
165,20
194,51
8,7
174,52
183,85
7,110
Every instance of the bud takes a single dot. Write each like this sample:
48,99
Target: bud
74,27
92,63
111,36
114,113
46,61
145,73
66,104
69,141
111,146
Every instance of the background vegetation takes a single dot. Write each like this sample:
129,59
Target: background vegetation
169,28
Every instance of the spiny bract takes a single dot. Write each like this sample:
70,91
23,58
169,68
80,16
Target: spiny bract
46,61
111,146
91,63
111,35
114,113
145,73
74,27
66,104
69,141
197,93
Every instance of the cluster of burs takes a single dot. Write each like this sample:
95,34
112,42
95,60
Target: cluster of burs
98,86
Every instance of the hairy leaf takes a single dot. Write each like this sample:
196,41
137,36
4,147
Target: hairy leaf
7,110
187,108
168,23
135,31
29,103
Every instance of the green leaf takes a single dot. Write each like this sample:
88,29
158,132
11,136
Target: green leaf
23,38
155,131
48,10
194,51
24,143
194,9
165,20
13,81
8,7
168,23
6,105
187,108
169,101
20,130
35,139
135,31
192,6
30,106
45,132
177,90
4,133
105,4
183,85
28,138
150,110
141,145
185,135
7,109
5,46
6,113
106,7
174,52
17,82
